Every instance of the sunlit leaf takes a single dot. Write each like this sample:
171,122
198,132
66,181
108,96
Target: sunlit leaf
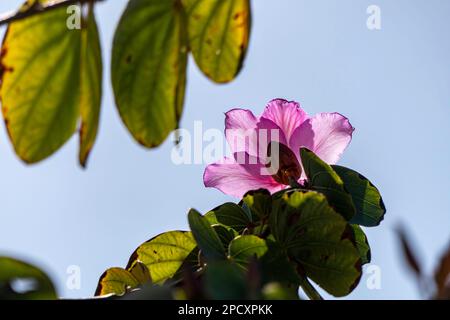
319,239
116,281
20,280
43,65
166,254
230,215
219,34
368,203
149,68
278,291
322,178
91,86
207,239
244,248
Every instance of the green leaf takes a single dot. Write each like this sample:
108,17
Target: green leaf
322,178
140,272
243,248
91,85
225,281
259,202
166,255
226,235
319,239
37,285
116,281
230,215
369,205
149,68
219,34
362,244
278,291
46,76
207,239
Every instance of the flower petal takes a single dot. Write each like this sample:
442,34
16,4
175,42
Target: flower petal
288,115
326,134
240,131
237,179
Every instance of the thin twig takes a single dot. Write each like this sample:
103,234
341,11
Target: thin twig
9,17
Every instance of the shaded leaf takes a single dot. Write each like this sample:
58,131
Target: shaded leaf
226,235
319,239
116,281
322,178
362,244
225,281
442,276
219,34
22,281
408,252
207,239
166,255
149,68
243,248
230,215
259,202
367,199
43,66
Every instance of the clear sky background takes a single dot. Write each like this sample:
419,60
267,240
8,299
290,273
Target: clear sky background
393,85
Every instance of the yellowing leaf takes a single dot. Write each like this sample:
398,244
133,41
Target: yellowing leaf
149,68
219,34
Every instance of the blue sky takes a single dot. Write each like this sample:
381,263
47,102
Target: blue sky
393,84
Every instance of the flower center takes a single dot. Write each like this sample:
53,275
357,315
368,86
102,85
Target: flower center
288,166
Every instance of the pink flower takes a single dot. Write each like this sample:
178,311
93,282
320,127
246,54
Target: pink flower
285,125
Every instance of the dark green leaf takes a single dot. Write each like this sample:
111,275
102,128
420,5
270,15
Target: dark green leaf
322,178
226,235
259,202
149,68
207,239
230,215
362,244
20,280
319,239
369,205
225,281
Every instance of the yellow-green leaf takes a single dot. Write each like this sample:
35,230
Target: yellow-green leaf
91,86
149,68
42,64
116,281
166,254
219,34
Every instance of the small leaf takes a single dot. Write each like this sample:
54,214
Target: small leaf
219,34
259,202
37,285
369,205
322,178
319,239
230,215
166,255
243,248
148,73
362,244
116,281
207,239
442,276
226,235
140,272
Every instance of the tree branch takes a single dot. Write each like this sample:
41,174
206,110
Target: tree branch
9,17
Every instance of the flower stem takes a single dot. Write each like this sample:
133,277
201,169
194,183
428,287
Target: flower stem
309,290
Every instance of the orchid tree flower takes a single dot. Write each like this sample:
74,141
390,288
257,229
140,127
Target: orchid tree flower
285,125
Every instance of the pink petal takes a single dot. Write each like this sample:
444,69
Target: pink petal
237,179
241,124
288,115
326,134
